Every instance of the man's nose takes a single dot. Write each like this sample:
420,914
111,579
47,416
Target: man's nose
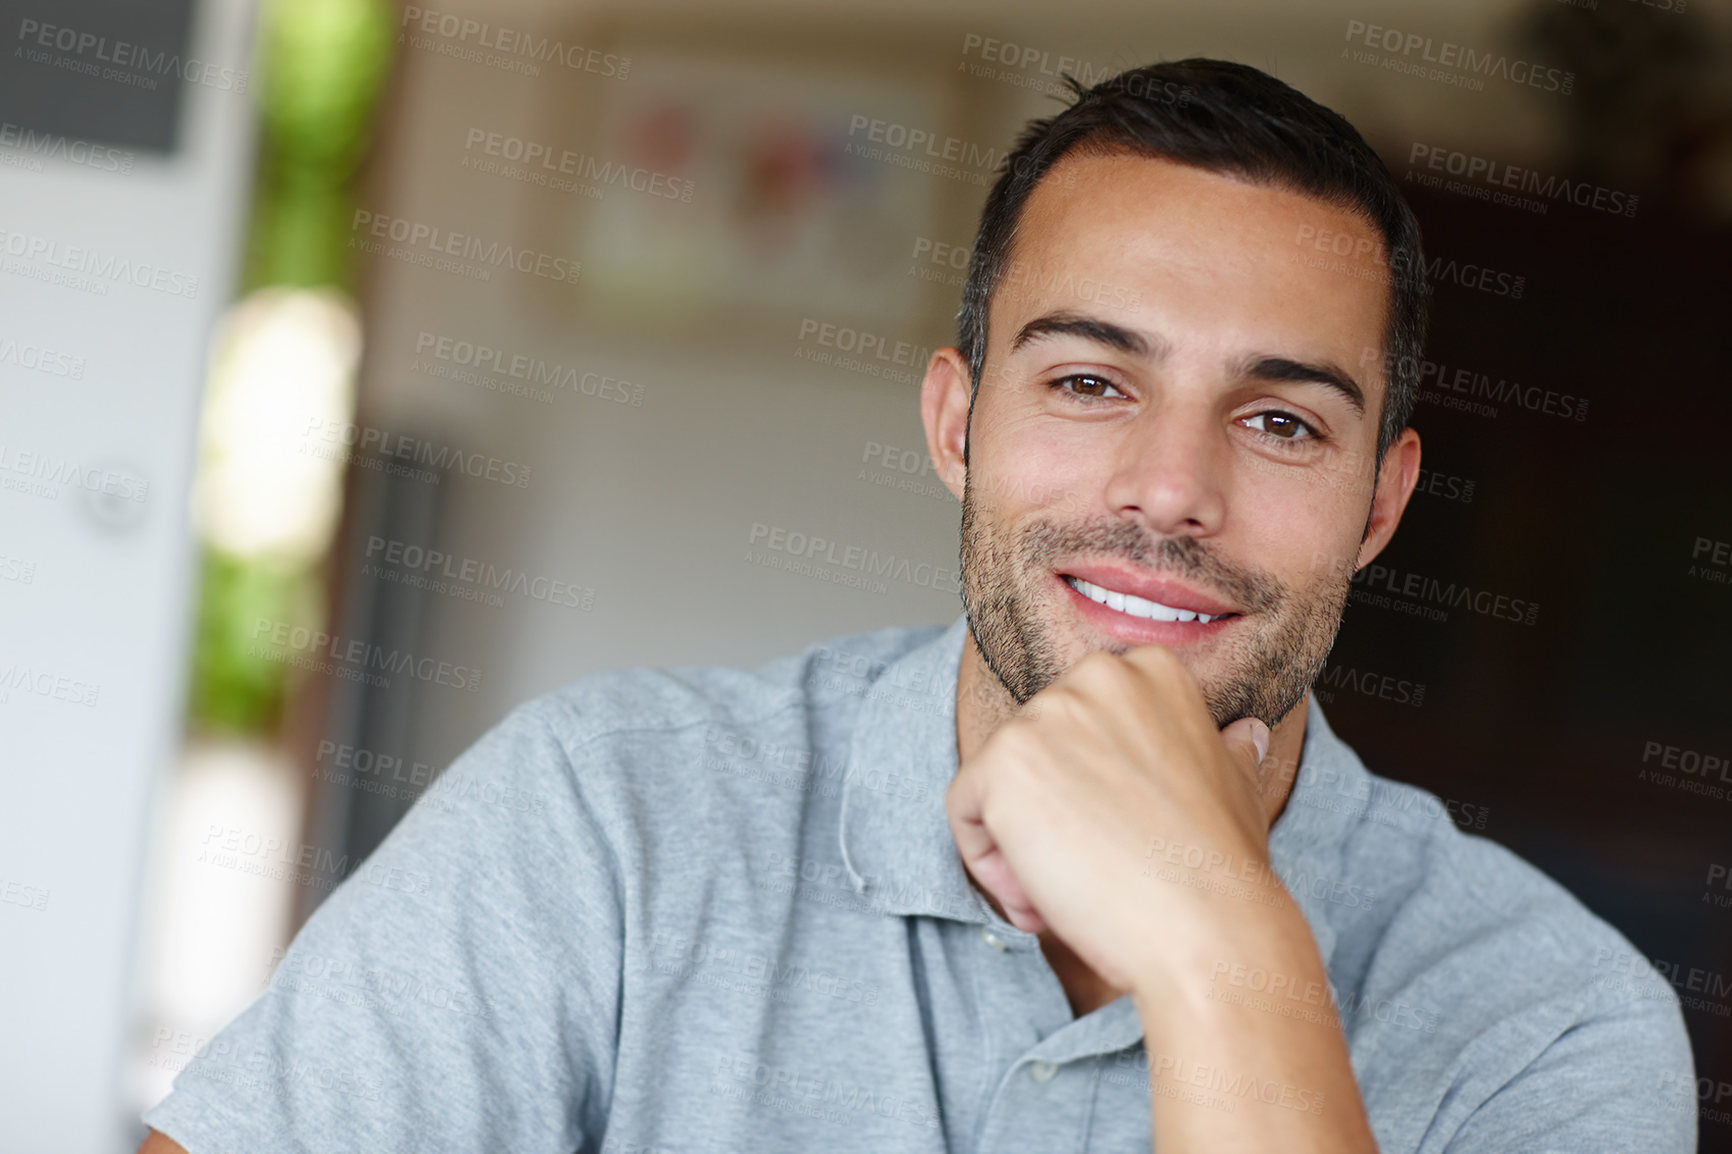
1170,470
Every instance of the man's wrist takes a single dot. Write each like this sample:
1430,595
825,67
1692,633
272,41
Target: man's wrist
1272,940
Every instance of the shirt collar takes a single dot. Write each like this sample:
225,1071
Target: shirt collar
895,835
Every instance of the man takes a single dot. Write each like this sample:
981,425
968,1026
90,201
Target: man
1084,870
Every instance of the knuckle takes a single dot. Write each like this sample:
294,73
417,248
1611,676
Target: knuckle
1158,659
1061,703
1098,671
1011,739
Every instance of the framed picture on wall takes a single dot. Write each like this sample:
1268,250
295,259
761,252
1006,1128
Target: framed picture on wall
728,182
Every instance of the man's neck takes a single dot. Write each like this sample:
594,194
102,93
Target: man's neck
983,704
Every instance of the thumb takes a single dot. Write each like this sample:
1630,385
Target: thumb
1248,739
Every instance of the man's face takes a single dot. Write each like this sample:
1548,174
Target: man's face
1166,422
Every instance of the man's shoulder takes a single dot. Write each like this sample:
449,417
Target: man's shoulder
646,700
1476,974
1474,898
1463,942
615,725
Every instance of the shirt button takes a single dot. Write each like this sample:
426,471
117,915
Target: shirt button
992,940
1042,1071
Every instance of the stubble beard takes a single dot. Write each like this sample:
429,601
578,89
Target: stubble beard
1279,653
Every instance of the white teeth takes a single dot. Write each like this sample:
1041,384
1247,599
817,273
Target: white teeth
1136,606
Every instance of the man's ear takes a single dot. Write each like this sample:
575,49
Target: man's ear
944,412
1395,481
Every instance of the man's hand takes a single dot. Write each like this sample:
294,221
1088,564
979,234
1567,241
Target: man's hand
1112,812
1058,812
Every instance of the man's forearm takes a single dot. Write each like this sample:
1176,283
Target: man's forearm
1244,1048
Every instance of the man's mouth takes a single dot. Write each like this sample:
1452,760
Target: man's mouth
1143,607
1137,606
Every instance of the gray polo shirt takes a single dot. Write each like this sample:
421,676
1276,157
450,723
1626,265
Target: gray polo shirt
703,910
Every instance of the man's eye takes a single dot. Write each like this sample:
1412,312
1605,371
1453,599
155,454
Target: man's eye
1086,385
1282,426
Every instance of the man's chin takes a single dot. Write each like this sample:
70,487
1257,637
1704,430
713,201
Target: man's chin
1221,690
1079,644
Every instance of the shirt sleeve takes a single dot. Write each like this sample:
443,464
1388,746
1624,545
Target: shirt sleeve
458,992
1620,1081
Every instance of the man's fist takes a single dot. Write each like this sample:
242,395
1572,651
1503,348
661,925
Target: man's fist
1055,814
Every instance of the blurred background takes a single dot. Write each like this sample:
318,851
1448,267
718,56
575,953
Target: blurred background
366,369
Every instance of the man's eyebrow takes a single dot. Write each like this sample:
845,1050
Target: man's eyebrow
1089,328
1322,373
